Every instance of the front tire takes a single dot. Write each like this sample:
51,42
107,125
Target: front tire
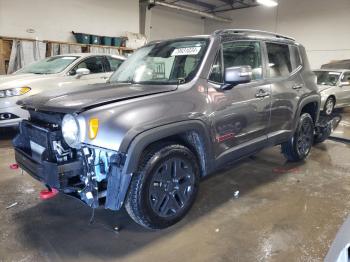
165,186
329,106
299,146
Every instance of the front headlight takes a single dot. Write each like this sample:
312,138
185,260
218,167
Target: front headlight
14,92
71,131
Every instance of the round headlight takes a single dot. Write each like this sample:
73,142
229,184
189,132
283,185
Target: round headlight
71,131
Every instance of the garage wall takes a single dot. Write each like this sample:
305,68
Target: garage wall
54,20
322,26
167,23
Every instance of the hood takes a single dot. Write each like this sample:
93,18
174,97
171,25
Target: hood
20,80
323,87
87,97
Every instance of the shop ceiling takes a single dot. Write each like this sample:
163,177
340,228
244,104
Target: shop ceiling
206,9
214,6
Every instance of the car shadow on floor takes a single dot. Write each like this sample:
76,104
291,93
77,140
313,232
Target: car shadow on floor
60,227
6,136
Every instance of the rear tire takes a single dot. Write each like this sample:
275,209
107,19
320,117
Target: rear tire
299,146
165,186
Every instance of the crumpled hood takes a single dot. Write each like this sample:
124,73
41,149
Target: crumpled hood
90,96
20,80
323,87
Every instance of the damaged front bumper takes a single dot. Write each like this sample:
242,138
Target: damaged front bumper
93,175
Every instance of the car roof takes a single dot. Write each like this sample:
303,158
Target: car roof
92,54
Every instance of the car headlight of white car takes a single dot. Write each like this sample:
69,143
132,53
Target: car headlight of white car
14,92
71,131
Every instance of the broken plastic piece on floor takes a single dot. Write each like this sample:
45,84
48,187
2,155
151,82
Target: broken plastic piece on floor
12,205
14,166
236,194
47,194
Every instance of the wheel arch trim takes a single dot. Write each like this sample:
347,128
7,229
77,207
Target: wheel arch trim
142,140
308,100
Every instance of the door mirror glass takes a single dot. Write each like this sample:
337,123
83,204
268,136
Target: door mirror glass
81,72
237,75
344,84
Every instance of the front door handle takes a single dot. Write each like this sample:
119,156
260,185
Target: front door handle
298,86
262,93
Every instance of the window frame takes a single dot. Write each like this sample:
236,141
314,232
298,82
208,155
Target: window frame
220,50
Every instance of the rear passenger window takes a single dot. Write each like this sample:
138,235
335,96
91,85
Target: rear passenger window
279,60
295,55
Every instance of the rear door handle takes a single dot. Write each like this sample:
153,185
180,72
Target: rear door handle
298,86
262,93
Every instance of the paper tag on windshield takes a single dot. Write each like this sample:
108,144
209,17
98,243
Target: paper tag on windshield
186,51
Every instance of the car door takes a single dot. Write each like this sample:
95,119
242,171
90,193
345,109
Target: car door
240,115
96,65
344,90
287,86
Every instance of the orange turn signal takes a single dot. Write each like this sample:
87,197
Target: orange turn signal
93,128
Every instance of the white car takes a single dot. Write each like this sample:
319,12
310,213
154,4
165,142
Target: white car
57,72
334,87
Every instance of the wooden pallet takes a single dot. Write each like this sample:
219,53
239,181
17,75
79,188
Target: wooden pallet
5,53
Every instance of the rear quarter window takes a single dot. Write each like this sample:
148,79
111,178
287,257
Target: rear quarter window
295,57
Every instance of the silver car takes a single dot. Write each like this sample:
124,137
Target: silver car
57,72
334,87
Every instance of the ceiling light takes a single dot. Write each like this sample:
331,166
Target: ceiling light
269,3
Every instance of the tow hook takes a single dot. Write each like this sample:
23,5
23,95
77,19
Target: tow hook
48,193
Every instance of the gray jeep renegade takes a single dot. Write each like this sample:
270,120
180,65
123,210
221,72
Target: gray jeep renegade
174,112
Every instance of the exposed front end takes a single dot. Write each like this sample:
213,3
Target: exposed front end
91,174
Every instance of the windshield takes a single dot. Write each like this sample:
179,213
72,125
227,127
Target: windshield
51,65
169,62
328,78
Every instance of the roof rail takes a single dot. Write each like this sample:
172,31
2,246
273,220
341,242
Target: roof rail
249,31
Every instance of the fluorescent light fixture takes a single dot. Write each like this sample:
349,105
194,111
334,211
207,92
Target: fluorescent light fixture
269,3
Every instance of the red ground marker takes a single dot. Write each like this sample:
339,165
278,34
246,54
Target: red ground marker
47,194
14,166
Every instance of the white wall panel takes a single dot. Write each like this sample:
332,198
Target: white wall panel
322,26
54,20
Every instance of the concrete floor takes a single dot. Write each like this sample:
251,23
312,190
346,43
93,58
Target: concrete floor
285,212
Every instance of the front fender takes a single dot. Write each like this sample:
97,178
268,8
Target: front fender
134,146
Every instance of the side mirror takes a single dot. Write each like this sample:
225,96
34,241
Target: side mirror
82,72
344,84
237,75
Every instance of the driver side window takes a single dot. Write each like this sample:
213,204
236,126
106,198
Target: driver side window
346,77
94,64
244,53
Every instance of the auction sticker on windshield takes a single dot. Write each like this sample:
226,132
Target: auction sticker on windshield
186,51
